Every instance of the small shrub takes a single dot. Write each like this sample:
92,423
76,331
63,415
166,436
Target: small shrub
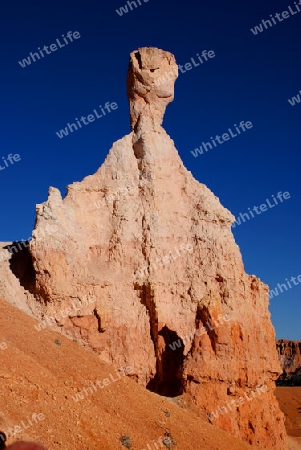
126,442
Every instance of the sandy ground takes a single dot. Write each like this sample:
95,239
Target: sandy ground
289,399
40,371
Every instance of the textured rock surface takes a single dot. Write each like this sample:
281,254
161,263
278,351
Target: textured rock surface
157,264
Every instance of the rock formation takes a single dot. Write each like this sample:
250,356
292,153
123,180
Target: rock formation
289,353
150,87
154,279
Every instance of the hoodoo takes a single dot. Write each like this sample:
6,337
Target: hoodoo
152,205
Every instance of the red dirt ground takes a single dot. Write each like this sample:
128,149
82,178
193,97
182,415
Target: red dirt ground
289,399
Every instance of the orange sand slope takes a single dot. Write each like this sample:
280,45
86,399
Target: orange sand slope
42,371
289,399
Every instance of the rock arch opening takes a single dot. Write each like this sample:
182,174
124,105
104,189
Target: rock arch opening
168,380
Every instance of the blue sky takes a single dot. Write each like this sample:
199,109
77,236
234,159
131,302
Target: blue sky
250,78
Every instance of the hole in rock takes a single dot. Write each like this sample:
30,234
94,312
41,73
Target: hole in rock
168,380
21,264
138,149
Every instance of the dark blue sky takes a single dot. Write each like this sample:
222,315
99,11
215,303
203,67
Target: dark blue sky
251,78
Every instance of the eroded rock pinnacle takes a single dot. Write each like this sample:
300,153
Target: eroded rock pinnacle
150,86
